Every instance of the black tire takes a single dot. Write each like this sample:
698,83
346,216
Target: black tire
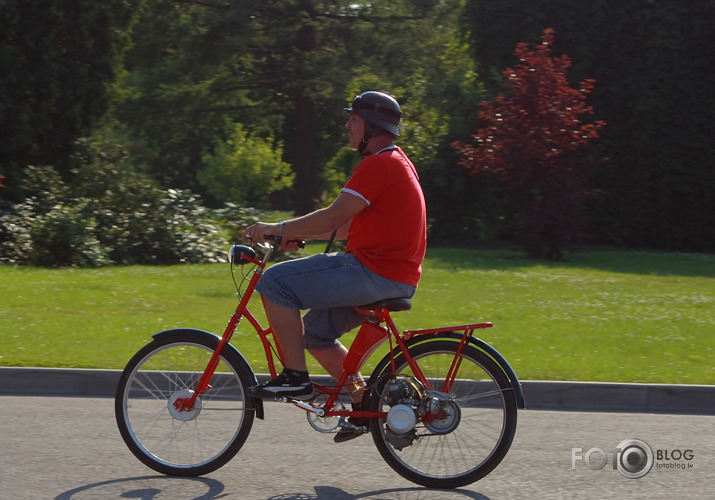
183,443
473,431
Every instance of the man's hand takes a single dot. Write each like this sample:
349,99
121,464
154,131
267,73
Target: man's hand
258,232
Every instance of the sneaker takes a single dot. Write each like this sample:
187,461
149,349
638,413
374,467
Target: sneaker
348,433
287,384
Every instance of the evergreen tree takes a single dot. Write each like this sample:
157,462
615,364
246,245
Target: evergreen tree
58,60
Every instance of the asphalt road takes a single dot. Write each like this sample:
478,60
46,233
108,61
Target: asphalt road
68,448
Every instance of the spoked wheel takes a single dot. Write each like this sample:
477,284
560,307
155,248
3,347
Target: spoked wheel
455,433
171,439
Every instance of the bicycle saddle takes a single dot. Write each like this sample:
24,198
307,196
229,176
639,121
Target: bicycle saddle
398,304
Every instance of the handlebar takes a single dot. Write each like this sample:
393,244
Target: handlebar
242,254
276,241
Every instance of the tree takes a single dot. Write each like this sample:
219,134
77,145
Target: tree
652,61
284,69
58,59
533,141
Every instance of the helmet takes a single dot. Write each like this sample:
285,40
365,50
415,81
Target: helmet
378,108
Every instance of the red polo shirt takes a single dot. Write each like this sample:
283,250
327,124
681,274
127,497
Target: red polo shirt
389,236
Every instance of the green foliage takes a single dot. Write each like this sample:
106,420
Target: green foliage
283,70
440,105
44,186
172,74
15,235
66,236
58,59
181,83
191,233
337,172
62,234
45,190
136,221
108,214
245,169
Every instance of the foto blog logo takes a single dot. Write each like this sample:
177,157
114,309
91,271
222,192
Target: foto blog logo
633,458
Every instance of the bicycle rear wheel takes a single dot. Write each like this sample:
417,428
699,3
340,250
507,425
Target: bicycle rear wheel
451,436
183,443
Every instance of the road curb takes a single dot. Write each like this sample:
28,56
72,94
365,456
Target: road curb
539,395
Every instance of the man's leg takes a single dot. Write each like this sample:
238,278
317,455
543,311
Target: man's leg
332,360
287,325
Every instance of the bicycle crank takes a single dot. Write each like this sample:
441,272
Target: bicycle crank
321,423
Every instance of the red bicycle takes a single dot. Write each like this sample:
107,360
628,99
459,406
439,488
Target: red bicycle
442,404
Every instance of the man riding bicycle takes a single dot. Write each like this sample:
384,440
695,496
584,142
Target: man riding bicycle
381,211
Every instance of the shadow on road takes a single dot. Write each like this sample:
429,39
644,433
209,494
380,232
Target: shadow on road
149,488
417,493
202,488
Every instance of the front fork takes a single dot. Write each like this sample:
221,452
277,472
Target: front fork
187,404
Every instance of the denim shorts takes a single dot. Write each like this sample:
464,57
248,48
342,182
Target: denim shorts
329,285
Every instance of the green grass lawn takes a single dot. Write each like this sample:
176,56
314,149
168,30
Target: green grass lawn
602,315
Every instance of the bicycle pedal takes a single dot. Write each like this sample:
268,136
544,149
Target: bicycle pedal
289,399
344,424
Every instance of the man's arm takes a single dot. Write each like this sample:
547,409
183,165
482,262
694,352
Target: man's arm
342,233
315,225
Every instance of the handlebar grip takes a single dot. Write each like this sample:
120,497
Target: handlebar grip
276,240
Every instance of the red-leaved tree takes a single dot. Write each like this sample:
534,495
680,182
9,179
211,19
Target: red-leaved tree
535,143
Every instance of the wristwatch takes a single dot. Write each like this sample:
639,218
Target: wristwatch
281,228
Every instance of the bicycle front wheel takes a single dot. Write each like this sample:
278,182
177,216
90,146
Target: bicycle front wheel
183,443
454,434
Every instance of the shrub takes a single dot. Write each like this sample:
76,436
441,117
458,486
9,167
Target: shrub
136,221
533,142
192,233
107,214
15,232
66,236
245,169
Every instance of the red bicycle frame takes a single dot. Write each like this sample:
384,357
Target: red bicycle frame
372,334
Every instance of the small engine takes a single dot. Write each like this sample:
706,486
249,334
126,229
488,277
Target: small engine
402,394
